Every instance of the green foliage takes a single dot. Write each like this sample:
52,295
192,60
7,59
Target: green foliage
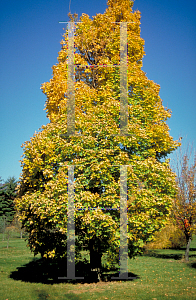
7,196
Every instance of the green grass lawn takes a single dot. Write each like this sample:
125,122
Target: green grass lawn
160,274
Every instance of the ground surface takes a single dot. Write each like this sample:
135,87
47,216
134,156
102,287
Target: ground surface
160,274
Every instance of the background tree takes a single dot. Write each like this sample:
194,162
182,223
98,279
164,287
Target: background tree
97,150
184,208
2,219
7,196
16,223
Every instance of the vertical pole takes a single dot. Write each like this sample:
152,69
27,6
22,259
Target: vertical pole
123,252
123,80
70,82
70,228
70,225
123,222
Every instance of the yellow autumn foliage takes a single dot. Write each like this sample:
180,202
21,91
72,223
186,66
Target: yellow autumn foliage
97,150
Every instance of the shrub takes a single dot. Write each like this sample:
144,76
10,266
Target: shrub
170,237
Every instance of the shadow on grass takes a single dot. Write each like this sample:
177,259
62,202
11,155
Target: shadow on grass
47,271
152,253
193,265
175,256
183,248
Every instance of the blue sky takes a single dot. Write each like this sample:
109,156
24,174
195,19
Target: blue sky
30,36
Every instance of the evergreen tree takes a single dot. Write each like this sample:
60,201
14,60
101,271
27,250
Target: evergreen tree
7,195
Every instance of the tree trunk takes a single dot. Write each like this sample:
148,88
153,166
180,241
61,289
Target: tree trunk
187,249
95,261
8,238
4,227
21,234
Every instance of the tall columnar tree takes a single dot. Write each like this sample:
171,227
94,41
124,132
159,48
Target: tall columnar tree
97,149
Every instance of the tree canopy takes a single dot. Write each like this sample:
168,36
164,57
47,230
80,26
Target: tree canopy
97,150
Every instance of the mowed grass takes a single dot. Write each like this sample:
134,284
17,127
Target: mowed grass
160,274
